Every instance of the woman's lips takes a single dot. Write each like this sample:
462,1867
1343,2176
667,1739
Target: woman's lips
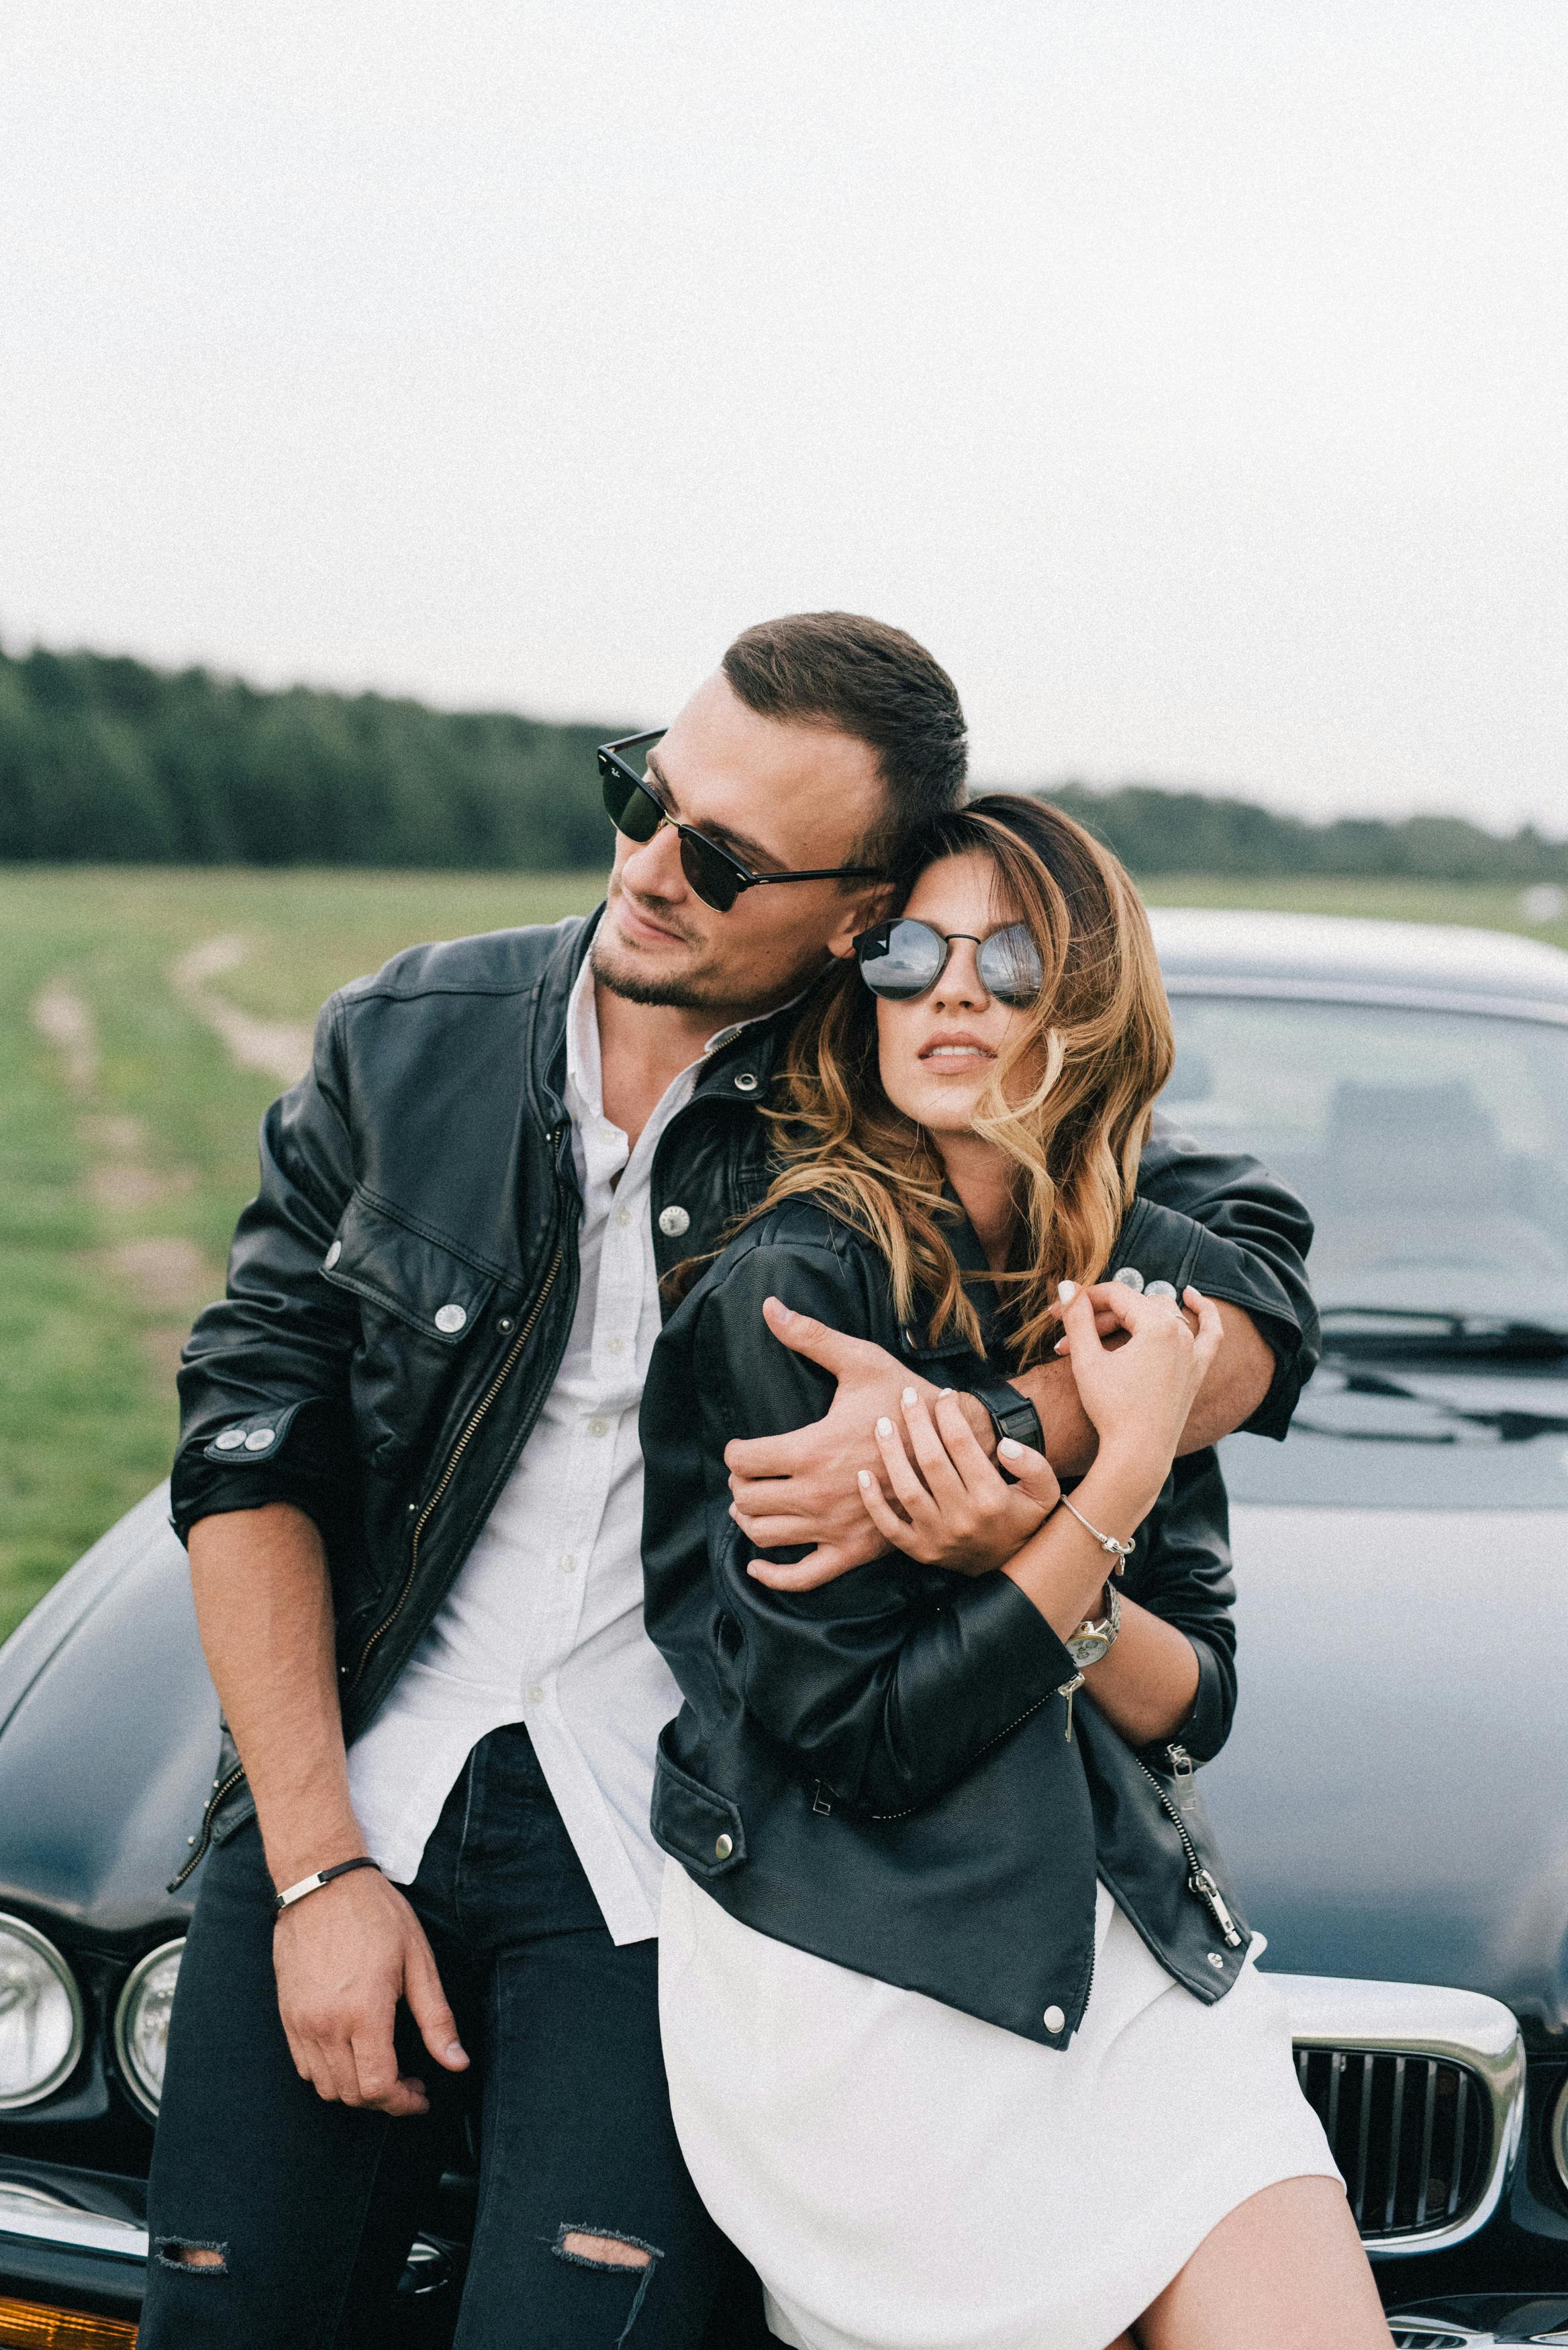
954,1053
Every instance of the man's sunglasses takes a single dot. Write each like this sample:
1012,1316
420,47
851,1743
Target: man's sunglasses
902,959
635,808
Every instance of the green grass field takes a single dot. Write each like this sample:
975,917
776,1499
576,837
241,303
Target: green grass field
127,1131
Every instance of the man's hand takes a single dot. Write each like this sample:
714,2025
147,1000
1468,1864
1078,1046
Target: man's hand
804,1488
344,1957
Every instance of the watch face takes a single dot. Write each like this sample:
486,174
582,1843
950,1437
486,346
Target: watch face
1086,1648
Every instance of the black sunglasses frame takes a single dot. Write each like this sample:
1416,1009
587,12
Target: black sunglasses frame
707,865
883,930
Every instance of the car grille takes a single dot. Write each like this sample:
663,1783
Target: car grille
1411,2133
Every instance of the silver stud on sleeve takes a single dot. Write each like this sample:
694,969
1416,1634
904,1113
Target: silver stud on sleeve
259,1438
674,1222
1129,1276
333,1253
230,1441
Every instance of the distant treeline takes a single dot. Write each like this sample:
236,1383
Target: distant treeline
105,760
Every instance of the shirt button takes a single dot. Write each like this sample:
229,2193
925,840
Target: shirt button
568,1562
536,1695
623,1217
613,1345
1053,2019
674,1222
599,1428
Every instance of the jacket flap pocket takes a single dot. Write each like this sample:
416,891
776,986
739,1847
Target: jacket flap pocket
703,1830
426,1284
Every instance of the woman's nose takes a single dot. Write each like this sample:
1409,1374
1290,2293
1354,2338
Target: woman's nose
960,986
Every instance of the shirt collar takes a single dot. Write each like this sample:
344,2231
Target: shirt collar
584,1064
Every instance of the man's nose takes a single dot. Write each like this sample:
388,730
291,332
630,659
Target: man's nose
654,869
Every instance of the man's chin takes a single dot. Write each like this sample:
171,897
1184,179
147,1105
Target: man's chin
626,973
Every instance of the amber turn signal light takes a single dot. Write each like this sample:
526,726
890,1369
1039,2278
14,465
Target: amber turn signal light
28,2326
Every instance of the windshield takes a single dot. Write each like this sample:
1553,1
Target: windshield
1430,1146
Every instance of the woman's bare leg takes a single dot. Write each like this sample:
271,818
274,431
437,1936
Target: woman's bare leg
1286,2268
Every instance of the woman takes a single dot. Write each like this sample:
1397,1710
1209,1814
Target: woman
966,2045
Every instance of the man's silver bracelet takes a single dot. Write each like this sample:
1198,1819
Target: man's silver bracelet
1118,1550
287,1901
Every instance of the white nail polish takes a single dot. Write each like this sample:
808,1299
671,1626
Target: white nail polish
865,1477
884,1427
907,1396
1010,1449
1066,1290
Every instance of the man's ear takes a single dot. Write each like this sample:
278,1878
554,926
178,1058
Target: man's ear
863,909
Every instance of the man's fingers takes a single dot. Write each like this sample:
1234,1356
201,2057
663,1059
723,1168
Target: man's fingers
428,2006
773,1533
824,1564
380,2084
803,1333
765,1457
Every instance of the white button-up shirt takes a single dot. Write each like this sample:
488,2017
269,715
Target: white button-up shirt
543,1624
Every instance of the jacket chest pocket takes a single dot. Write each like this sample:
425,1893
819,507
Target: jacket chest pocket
421,1309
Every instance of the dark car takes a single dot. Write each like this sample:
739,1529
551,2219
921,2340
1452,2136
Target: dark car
1394,1801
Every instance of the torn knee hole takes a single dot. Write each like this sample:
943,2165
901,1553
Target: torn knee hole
186,2252
603,2252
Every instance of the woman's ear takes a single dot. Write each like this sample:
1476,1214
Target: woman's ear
861,912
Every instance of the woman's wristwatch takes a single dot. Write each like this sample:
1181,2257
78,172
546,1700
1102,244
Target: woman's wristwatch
1092,1641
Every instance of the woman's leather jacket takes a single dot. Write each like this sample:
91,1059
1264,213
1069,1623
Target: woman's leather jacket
879,1770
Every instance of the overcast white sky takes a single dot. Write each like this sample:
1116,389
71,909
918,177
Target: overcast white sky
1192,377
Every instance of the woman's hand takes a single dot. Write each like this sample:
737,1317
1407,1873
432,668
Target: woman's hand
1139,1390
957,1512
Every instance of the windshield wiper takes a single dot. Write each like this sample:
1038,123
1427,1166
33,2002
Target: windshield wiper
1419,1330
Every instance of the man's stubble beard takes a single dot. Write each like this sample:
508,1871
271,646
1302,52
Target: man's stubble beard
696,990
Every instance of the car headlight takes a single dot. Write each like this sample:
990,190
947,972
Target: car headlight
141,2023
40,2016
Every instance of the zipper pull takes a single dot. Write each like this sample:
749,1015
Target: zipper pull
1209,1893
1183,1772
1069,1689
824,1811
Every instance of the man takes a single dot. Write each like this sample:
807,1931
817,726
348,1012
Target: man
410,1482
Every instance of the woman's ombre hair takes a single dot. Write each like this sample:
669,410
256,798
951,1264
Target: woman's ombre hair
1068,1099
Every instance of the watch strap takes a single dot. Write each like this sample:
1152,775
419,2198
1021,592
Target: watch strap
1011,1414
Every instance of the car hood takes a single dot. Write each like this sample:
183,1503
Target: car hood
1393,1798
109,1733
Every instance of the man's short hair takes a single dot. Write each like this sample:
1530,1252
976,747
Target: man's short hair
875,683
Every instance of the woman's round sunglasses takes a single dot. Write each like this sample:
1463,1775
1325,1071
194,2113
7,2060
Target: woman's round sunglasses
718,877
903,959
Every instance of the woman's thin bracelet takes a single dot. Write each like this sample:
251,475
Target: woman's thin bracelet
1119,1551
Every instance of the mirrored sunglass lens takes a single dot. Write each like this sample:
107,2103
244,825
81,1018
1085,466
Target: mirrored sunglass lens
902,959
1009,965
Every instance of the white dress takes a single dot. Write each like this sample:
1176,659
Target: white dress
903,2176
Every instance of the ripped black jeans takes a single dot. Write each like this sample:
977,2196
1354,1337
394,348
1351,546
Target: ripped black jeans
310,2208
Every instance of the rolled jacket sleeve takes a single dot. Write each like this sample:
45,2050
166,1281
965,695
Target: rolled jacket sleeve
263,1381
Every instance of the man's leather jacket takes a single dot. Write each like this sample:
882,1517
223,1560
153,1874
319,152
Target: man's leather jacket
880,1771
402,1285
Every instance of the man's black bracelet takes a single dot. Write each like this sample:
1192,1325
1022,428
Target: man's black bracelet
287,1899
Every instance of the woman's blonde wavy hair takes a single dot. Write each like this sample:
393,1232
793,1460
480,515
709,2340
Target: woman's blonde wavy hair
1068,1100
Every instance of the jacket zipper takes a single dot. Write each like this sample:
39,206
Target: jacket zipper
201,1841
458,1450
1199,1880
819,1806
